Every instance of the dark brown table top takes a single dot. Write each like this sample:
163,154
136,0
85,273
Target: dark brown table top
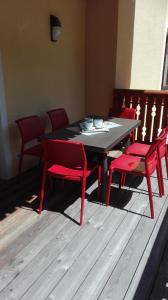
100,142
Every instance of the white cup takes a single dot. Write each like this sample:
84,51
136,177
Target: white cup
98,123
86,125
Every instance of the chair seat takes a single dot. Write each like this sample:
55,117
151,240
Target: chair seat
114,153
35,150
132,164
138,149
70,174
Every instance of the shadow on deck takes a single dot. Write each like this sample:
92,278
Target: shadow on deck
117,254
24,193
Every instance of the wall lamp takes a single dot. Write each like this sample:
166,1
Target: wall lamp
55,28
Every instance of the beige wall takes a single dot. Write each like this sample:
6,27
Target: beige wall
39,74
149,44
101,37
140,43
126,12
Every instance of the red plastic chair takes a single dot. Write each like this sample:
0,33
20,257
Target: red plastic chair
140,149
126,113
141,166
67,160
58,118
31,128
163,147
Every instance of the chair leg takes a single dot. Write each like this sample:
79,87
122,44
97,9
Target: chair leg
99,181
132,137
109,188
160,178
42,191
150,195
82,200
166,161
161,174
122,179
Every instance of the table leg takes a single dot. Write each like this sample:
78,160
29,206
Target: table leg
103,187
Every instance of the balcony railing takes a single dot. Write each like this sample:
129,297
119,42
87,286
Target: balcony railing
151,108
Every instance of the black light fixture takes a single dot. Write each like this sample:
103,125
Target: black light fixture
55,28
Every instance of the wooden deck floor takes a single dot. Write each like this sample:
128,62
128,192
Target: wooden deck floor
116,254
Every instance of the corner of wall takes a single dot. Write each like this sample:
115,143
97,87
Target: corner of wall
5,153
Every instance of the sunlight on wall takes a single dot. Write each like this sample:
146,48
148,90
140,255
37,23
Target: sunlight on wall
141,43
149,44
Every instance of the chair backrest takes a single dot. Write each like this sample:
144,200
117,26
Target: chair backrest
162,142
156,145
151,158
30,128
153,148
58,118
126,113
65,153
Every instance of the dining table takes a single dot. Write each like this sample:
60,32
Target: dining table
98,141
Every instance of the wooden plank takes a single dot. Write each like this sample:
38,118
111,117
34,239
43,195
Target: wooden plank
96,248
18,195
118,283
26,254
60,270
13,220
17,243
140,268
107,259
22,247
19,237
148,279
75,269
50,272
36,245
22,221
92,285
160,287
38,265
16,220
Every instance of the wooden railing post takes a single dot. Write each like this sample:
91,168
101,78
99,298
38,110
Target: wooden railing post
151,108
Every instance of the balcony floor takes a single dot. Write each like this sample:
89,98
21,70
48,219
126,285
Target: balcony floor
116,254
